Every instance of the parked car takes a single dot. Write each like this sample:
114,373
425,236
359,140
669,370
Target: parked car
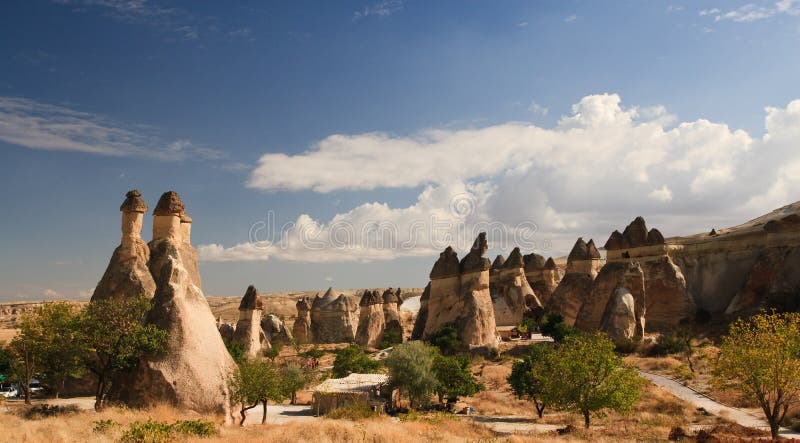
36,386
8,391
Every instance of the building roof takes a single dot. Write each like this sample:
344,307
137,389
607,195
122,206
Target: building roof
352,383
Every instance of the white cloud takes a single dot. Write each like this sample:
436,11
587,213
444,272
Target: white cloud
538,109
35,125
50,293
600,166
522,24
751,12
570,18
382,8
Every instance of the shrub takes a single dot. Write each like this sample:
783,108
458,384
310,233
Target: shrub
104,425
353,360
46,410
674,341
552,325
236,350
162,432
390,338
352,411
446,339
195,428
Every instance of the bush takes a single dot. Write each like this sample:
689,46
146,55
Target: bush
552,325
352,411
674,341
446,339
236,350
46,410
162,432
104,425
390,338
353,360
628,346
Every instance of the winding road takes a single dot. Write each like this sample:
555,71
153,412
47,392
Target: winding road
713,407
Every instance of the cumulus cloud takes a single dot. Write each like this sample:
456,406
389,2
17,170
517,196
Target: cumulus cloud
597,168
382,8
751,12
36,125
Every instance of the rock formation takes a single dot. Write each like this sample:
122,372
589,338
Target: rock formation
226,331
669,300
542,276
623,318
393,326
512,296
301,329
194,371
576,287
333,318
422,315
248,328
459,296
127,274
370,319
275,330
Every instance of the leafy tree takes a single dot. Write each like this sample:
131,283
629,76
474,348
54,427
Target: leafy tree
455,378
256,381
760,357
390,338
115,338
28,347
293,378
526,377
6,361
584,374
236,350
61,351
675,341
411,369
446,339
353,360
552,325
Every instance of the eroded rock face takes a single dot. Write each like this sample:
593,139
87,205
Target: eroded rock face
463,299
248,328
512,296
194,371
370,319
226,330
422,315
391,313
302,324
620,319
275,330
574,290
333,318
127,274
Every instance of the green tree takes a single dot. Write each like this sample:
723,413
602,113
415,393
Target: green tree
353,360
526,377
273,351
411,370
446,339
256,381
552,325
293,378
760,357
583,374
27,348
455,378
114,339
61,351
236,350
6,362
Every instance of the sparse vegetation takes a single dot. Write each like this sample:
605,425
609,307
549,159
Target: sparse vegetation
411,369
354,360
760,357
256,381
151,431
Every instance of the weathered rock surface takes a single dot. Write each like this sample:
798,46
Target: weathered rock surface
575,289
542,276
512,296
226,330
669,301
276,330
194,371
301,329
248,328
422,314
127,274
393,325
620,319
462,299
370,319
334,318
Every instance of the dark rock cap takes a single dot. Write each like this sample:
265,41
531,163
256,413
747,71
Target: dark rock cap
594,254
390,297
251,300
447,265
474,260
615,241
303,304
533,262
580,251
791,221
636,233
133,202
514,260
370,298
550,264
169,204
498,262
654,237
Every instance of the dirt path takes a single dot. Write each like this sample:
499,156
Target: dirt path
713,407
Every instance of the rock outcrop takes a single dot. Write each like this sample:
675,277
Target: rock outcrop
370,319
422,315
512,296
127,274
575,289
194,371
301,329
459,296
623,318
334,318
542,276
275,330
393,325
248,328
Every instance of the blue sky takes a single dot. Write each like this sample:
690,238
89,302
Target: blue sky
548,120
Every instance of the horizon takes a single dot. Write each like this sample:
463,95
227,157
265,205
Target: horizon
342,144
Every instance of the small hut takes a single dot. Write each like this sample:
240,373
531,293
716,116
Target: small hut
369,390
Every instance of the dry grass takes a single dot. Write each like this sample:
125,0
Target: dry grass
7,334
